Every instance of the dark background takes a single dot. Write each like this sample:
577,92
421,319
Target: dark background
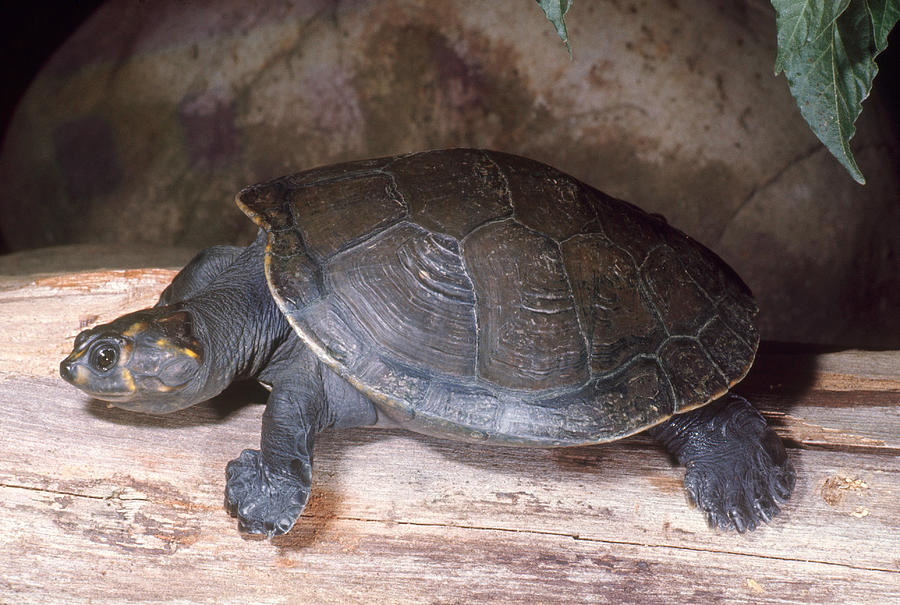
29,33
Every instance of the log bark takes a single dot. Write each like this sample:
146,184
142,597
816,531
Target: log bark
98,504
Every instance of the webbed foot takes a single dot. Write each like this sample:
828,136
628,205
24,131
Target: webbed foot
737,471
264,500
740,483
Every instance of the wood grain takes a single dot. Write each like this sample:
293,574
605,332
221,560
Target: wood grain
100,504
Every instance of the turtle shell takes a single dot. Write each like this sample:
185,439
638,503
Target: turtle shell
482,295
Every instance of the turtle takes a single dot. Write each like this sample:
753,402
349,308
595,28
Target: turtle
464,294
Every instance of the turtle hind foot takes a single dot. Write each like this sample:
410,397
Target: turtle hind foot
263,500
737,471
741,487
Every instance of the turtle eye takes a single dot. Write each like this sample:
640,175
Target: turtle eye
105,356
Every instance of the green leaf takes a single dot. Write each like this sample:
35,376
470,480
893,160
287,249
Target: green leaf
556,11
801,21
885,13
827,50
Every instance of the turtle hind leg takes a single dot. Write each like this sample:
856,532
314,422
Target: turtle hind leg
737,471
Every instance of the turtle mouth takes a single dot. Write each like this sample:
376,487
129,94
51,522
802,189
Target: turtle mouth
155,408
119,386
113,398
148,403
116,385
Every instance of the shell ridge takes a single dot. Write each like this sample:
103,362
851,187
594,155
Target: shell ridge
650,252
714,303
685,405
670,386
301,234
487,223
750,345
387,287
487,155
466,270
648,300
702,346
393,187
696,340
722,271
581,327
351,247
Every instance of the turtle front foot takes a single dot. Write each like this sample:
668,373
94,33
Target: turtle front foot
737,471
264,500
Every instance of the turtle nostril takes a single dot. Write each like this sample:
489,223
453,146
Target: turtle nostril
66,371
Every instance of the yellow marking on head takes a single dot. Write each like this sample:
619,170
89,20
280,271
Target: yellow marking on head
81,376
76,355
167,345
128,380
135,328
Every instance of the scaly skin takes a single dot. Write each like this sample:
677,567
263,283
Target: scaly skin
737,471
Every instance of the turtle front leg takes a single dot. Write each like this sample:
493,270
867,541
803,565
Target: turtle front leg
737,471
267,489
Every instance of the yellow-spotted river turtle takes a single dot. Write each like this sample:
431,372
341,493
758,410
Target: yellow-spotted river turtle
462,293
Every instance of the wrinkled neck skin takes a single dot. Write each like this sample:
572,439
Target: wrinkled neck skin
238,323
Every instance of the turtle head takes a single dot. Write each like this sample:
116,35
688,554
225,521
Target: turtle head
149,361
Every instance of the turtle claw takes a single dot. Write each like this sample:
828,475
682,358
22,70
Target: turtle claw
736,469
741,486
264,501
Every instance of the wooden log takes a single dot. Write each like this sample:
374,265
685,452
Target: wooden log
100,504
